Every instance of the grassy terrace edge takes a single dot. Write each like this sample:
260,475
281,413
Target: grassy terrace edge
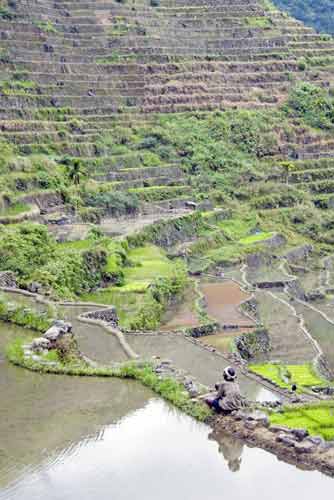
168,388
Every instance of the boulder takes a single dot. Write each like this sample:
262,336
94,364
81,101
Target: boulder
7,279
279,429
40,344
300,434
57,330
285,439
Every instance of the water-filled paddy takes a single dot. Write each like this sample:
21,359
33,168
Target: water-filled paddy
156,452
321,330
222,301
205,366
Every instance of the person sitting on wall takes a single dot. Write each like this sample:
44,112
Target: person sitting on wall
228,397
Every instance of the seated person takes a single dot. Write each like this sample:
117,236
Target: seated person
228,396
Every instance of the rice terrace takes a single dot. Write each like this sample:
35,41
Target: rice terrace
166,249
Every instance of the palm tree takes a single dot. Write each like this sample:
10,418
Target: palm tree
74,171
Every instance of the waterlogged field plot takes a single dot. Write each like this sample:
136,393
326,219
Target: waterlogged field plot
288,342
184,314
317,419
326,306
222,301
223,341
303,376
207,367
321,330
270,273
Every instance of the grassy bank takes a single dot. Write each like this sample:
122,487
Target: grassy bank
167,388
24,316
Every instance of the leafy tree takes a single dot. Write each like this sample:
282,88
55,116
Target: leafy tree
316,13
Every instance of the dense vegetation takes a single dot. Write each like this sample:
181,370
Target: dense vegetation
316,13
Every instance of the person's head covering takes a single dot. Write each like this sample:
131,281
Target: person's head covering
229,374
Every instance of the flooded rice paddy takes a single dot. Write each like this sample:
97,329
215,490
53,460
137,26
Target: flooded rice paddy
113,440
70,437
222,301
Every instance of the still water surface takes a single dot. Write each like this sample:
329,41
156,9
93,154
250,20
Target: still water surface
157,453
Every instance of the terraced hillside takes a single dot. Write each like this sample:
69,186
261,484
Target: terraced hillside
202,128
71,71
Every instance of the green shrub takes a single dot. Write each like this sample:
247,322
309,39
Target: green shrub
114,203
25,247
313,104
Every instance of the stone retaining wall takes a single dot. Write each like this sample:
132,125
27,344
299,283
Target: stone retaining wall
109,316
7,279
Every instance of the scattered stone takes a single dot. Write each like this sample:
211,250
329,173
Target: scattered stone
278,429
300,434
304,447
286,440
316,440
34,287
35,358
191,204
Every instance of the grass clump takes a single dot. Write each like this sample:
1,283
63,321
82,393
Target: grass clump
149,282
314,104
46,26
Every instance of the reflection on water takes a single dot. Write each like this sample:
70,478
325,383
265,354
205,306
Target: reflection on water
231,448
156,452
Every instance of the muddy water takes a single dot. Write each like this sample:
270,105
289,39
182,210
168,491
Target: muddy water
222,300
288,341
43,415
182,315
204,365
